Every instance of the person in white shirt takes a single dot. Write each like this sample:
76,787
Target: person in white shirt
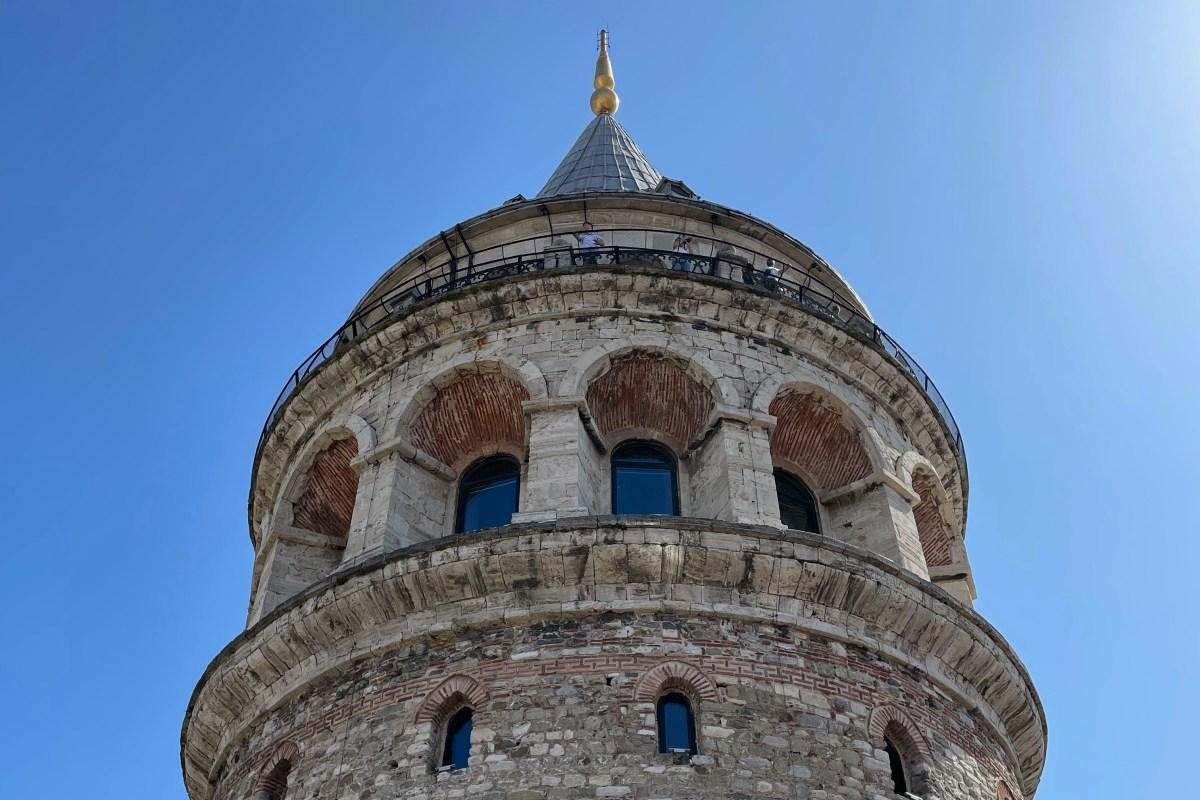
683,246
589,241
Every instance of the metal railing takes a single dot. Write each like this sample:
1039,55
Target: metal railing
724,262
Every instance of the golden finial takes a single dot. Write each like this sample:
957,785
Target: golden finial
604,99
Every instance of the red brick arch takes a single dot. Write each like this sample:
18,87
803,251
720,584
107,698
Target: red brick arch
274,779
931,527
649,390
474,413
326,503
819,437
1003,792
449,696
891,722
674,675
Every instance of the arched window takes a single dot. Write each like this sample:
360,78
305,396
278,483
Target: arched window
797,506
676,725
644,480
899,781
273,785
457,751
487,494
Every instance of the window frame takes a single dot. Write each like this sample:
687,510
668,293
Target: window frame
455,720
466,485
790,475
669,459
689,705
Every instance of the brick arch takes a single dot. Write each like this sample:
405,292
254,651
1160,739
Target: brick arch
471,412
326,502
891,722
813,432
649,390
674,675
931,526
274,779
1003,792
449,696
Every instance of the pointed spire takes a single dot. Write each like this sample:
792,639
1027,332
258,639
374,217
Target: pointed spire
604,99
604,158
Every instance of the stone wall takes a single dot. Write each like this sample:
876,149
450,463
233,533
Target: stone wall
568,715
814,624
568,343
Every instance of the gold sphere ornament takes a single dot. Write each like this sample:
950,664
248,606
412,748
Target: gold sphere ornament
604,101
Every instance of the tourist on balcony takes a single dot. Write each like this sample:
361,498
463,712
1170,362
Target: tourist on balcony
771,275
682,246
589,241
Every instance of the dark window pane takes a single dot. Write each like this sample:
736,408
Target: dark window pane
644,480
899,784
458,740
797,506
676,727
487,496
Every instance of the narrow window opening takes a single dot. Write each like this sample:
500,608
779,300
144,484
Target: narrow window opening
458,739
676,724
899,782
797,505
644,480
487,494
273,785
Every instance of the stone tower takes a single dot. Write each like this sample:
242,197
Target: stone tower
612,492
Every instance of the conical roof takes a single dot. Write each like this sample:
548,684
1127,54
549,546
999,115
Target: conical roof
603,159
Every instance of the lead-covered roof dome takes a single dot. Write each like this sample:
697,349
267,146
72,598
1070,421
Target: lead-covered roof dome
603,159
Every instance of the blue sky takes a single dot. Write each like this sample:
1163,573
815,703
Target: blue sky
193,195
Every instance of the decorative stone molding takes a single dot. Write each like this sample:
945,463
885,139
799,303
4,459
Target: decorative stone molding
449,696
674,675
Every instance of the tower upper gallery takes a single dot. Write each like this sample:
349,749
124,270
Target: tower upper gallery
614,404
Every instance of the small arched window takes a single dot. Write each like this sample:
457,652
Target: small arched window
797,505
644,479
457,751
487,494
899,778
273,785
676,724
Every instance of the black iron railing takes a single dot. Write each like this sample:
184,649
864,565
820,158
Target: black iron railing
544,253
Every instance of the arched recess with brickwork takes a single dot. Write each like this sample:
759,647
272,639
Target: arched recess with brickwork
944,551
818,438
650,393
468,412
320,490
931,524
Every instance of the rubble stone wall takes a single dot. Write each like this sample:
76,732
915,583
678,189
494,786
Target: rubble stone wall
804,638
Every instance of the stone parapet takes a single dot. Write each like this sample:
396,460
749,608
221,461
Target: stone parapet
512,578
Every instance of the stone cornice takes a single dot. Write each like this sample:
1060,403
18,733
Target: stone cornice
523,573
